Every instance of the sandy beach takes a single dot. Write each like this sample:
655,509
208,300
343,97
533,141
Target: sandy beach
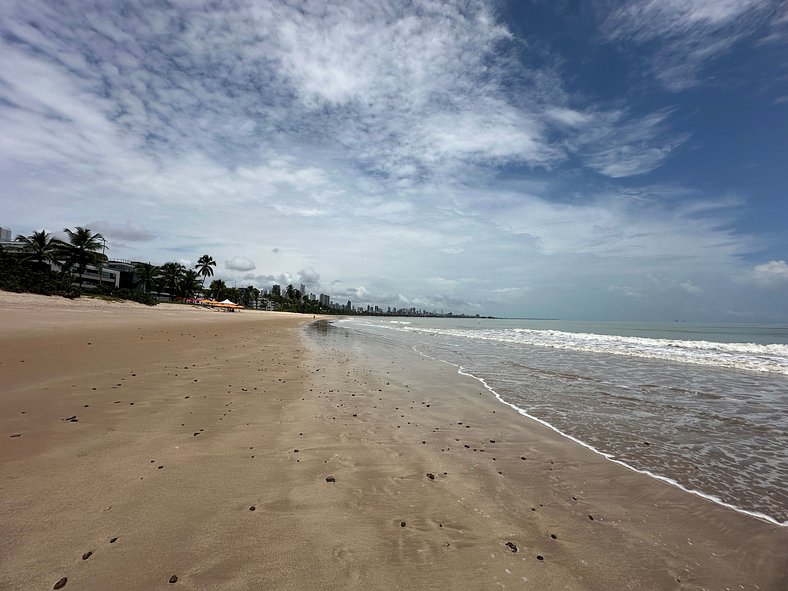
174,447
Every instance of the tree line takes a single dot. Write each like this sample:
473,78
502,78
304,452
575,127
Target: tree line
48,265
29,268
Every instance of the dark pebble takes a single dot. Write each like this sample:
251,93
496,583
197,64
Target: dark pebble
16,435
430,475
174,579
554,536
539,557
522,457
512,546
252,508
330,479
87,555
402,524
113,540
591,517
61,583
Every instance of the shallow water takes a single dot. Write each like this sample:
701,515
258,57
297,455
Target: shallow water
689,403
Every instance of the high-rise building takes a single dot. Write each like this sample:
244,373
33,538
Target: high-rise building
5,235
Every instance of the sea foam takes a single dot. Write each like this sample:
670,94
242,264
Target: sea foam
742,356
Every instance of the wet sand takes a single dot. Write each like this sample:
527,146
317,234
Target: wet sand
145,445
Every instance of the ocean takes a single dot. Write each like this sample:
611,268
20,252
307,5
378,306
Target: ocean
701,406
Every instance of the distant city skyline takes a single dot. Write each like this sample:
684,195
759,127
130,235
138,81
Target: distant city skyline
576,160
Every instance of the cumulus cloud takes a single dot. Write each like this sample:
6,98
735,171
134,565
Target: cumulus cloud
308,277
239,263
771,273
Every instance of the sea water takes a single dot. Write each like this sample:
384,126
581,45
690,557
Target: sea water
703,407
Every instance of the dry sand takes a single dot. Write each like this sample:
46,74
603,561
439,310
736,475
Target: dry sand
176,442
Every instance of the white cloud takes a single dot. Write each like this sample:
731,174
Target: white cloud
771,273
383,143
309,277
625,290
567,116
238,263
689,33
129,231
618,145
690,287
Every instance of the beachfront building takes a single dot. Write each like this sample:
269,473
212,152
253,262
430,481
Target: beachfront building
127,271
92,276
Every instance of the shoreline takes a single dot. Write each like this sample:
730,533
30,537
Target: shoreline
611,458
745,492
248,414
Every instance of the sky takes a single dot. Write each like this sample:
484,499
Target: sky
594,159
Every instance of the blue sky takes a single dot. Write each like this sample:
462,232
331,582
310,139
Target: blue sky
581,160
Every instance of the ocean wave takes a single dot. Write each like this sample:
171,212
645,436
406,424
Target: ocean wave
609,456
742,356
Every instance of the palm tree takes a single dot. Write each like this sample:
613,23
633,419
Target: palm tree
190,283
148,275
83,249
218,289
40,247
172,277
204,267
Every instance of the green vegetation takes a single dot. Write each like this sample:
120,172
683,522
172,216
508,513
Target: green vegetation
147,276
81,250
28,276
44,264
205,266
121,293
